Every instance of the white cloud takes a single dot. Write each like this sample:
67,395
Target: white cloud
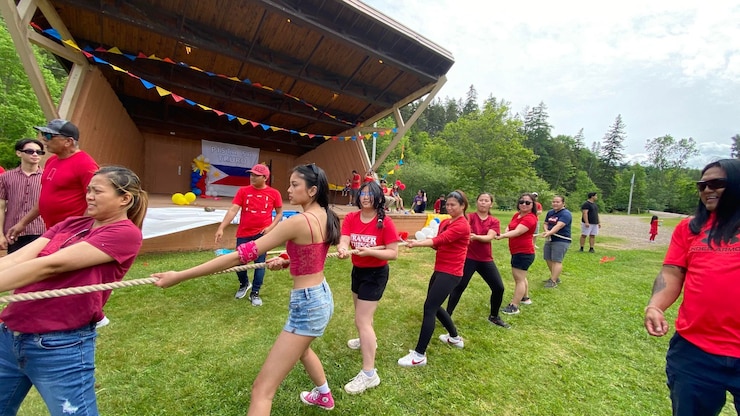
668,66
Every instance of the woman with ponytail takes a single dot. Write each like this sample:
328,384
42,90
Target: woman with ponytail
307,238
364,230
50,343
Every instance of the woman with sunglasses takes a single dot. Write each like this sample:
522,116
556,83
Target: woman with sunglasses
519,232
363,230
50,343
483,228
307,238
451,244
703,261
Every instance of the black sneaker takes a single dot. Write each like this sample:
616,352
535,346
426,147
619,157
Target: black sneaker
498,322
591,250
526,301
255,298
510,309
581,250
547,280
550,284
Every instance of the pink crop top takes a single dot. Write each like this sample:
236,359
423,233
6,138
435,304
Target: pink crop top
308,258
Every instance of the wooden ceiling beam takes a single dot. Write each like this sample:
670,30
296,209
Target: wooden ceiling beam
212,39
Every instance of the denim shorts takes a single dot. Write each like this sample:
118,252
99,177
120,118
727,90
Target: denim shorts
310,310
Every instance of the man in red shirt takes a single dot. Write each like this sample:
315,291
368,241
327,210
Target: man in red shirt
256,202
356,182
66,175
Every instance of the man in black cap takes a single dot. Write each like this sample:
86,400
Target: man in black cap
66,176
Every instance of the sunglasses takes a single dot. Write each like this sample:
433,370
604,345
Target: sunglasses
31,151
313,168
718,183
365,194
525,202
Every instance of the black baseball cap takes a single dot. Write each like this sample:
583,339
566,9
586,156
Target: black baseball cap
60,127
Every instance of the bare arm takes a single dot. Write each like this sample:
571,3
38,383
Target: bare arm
553,230
485,238
275,221
666,289
584,216
516,232
75,257
228,217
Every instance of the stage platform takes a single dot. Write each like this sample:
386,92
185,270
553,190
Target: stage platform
201,237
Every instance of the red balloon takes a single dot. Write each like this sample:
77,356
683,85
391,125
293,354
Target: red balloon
402,186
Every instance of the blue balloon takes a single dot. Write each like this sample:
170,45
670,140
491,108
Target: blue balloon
196,191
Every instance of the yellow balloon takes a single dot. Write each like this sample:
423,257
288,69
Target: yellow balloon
176,197
181,200
190,197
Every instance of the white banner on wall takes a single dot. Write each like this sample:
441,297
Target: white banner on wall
229,164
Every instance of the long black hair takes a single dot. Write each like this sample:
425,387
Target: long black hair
315,176
378,198
727,216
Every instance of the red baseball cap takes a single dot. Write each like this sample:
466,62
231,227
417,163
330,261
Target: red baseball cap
261,170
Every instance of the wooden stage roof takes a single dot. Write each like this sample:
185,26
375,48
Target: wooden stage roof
301,67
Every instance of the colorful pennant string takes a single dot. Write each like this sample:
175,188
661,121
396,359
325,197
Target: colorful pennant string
177,98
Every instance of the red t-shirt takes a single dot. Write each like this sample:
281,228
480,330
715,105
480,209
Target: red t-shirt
451,243
257,206
356,181
64,186
708,317
480,251
120,240
368,235
437,205
654,227
523,244
369,179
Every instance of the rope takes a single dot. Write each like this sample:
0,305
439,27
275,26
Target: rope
79,290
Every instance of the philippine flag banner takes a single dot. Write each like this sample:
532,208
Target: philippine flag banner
229,164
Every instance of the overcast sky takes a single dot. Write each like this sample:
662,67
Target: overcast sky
667,66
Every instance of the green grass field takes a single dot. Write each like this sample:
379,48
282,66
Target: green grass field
579,349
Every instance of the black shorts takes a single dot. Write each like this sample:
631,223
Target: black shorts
521,261
369,282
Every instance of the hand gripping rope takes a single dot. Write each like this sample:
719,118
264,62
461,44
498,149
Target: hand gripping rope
79,290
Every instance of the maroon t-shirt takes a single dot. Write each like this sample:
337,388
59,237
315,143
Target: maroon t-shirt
120,240
480,251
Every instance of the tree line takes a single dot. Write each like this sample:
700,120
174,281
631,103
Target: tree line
458,144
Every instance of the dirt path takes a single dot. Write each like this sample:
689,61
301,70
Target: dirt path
633,230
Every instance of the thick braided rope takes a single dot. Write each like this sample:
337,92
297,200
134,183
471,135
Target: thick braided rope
78,290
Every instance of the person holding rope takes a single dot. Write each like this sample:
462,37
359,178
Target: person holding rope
483,228
703,262
519,232
50,343
362,230
557,239
307,238
451,244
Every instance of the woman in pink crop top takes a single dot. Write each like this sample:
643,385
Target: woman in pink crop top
307,237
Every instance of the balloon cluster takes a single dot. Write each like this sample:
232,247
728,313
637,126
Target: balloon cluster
429,231
400,185
201,166
183,199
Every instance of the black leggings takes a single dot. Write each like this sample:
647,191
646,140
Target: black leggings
489,272
440,286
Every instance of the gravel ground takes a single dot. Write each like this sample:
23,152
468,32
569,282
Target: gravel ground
633,230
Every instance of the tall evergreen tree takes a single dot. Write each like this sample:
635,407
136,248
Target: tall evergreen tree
735,149
613,143
471,102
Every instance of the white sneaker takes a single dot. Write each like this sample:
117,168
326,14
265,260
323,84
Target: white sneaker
413,359
361,382
454,342
354,344
103,322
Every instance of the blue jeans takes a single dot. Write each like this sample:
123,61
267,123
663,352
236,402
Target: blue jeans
259,274
61,365
699,381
